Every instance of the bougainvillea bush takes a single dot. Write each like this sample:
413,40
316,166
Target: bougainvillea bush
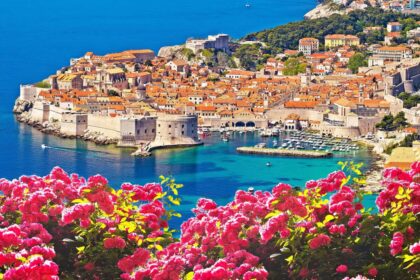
63,226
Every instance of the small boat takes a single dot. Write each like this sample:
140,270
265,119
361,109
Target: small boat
268,164
225,139
43,146
247,5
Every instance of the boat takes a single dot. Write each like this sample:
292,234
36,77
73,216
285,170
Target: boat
43,146
268,164
260,145
247,5
225,139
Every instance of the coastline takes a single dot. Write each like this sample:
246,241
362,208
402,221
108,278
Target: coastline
374,171
22,112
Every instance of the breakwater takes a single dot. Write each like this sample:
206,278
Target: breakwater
283,152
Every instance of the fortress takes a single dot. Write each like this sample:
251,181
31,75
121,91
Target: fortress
140,131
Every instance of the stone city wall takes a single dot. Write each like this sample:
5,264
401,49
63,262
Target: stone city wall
73,124
108,126
283,113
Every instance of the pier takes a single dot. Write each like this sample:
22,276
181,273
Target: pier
283,152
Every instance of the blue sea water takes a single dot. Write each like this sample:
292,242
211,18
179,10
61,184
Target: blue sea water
38,37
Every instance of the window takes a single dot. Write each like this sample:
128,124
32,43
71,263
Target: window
145,131
153,130
182,132
183,126
169,126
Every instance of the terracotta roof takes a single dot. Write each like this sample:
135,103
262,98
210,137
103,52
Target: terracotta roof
300,104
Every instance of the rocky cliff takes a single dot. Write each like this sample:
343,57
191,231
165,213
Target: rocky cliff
322,10
170,51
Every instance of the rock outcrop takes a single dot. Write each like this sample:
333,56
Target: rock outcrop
170,51
322,10
22,106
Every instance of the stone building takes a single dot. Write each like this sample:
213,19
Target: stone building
389,54
338,40
176,130
308,45
217,42
136,131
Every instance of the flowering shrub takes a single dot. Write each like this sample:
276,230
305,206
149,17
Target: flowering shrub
63,225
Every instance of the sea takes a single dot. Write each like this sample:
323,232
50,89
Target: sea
39,37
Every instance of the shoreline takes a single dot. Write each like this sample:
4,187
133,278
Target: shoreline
373,173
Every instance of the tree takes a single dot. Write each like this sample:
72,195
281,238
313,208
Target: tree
247,55
188,53
293,66
112,92
356,61
148,63
409,100
391,123
287,36
43,84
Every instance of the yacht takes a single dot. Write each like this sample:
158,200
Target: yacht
43,146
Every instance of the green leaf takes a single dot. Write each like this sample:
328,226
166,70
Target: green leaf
189,276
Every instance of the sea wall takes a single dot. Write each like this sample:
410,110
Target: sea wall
73,124
283,152
283,113
339,131
107,126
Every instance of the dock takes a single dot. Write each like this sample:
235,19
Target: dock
283,152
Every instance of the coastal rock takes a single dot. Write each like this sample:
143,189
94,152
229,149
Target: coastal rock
22,106
322,10
170,51
98,138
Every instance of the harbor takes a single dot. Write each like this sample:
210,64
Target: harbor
291,140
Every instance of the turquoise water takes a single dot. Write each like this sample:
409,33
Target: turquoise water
38,37
213,170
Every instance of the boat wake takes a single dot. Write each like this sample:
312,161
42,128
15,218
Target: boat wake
44,147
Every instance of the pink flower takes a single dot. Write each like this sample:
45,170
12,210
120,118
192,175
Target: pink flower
373,271
304,272
89,266
206,204
114,242
415,248
341,268
396,243
319,241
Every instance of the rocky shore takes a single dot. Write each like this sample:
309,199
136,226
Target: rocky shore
23,112
374,172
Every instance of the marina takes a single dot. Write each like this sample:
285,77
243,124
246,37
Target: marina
291,140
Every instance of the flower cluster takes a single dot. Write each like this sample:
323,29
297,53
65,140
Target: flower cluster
64,225
53,226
